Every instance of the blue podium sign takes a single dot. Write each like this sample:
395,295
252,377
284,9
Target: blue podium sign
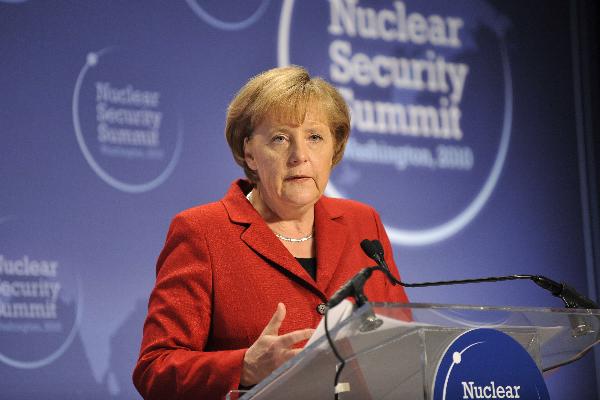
487,364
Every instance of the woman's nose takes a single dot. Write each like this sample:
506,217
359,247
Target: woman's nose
299,152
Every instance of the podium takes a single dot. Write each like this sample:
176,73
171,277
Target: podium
399,358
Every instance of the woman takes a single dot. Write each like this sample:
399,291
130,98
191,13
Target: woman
243,281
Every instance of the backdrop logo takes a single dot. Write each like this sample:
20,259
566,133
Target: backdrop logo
125,120
40,302
430,93
487,364
229,16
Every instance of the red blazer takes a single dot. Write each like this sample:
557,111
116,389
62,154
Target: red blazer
219,278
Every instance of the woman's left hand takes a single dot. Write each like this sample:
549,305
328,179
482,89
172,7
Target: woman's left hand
271,350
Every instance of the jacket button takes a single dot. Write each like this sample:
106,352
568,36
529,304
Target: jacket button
321,308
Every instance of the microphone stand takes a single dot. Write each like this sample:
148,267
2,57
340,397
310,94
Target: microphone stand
354,287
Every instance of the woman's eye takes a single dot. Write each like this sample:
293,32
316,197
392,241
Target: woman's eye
278,139
315,137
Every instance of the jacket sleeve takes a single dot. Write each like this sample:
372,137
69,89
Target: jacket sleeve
172,362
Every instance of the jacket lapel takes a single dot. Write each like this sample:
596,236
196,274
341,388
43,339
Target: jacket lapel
331,236
262,240
258,236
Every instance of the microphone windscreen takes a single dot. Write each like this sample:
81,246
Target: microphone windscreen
378,247
369,248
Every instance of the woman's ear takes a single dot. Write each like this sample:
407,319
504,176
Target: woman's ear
248,157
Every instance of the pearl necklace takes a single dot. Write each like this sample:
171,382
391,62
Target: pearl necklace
280,236
293,240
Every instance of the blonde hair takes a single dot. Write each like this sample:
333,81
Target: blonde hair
286,92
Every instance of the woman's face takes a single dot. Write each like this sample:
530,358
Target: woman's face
293,162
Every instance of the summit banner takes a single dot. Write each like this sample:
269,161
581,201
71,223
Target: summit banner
411,72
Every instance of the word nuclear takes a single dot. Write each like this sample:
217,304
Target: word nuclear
28,267
393,25
127,96
491,391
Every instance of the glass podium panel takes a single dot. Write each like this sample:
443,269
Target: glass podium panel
397,357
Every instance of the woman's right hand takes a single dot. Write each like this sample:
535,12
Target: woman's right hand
271,350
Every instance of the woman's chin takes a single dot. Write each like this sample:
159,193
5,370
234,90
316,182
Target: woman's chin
302,199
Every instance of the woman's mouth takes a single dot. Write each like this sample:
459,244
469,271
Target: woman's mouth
297,178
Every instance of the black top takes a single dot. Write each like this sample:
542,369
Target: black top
310,265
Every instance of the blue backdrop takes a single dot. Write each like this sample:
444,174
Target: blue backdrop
464,138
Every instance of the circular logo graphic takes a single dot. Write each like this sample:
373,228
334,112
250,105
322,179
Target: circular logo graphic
486,363
229,16
125,119
41,300
430,93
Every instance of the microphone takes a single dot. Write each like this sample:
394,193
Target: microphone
354,287
566,293
571,297
379,248
374,250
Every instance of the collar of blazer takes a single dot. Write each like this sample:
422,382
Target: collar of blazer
330,234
